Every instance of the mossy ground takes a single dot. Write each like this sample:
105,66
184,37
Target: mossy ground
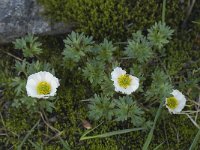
177,132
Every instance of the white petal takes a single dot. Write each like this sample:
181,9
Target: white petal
181,102
31,91
176,93
34,79
117,72
134,83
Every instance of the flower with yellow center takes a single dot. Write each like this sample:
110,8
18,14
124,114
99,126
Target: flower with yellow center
176,103
42,85
123,82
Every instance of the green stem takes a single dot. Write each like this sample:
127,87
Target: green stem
150,135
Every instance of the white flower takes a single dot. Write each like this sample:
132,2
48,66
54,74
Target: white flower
42,85
123,82
176,103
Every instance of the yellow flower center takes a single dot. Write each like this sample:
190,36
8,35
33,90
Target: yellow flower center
172,102
124,80
43,88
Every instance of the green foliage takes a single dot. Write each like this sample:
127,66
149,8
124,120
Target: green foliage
94,72
107,87
116,20
29,46
76,47
160,87
127,108
18,84
104,51
122,109
159,34
27,68
101,107
142,48
139,48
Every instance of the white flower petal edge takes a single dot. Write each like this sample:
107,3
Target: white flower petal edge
181,102
116,73
35,79
134,85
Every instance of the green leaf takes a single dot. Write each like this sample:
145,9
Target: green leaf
37,66
150,135
157,147
101,107
139,48
104,135
104,51
94,72
126,108
195,141
107,86
76,47
29,46
159,34
64,143
18,85
160,86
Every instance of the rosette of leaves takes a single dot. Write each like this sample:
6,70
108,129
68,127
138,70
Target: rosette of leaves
76,47
94,72
29,46
139,48
159,34
126,108
23,70
105,51
159,88
107,86
101,107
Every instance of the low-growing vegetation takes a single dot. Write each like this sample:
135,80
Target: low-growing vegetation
136,87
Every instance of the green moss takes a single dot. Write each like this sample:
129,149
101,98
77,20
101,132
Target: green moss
114,19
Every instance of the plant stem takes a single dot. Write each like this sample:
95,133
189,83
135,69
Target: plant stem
150,135
12,55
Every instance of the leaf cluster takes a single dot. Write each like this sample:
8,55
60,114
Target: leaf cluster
159,34
76,47
104,51
122,109
142,48
94,72
101,107
29,45
160,87
23,70
139,48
